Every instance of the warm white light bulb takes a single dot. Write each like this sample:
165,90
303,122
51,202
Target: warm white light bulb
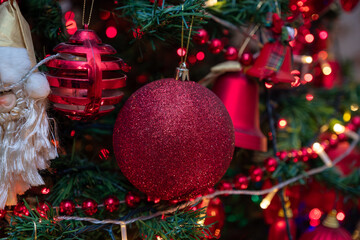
210,3
267,200
338,128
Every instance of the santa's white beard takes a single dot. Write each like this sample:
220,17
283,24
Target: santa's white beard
25,147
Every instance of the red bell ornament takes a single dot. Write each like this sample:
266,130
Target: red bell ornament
328,230
273,64
241,98
85,80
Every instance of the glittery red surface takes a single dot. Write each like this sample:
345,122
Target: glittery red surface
173,139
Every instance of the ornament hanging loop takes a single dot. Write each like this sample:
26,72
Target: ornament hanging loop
86,25
182,73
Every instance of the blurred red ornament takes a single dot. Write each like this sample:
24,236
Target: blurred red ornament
317,195
347,164
241,99
356,121
132,199
43,208
21,210
342,137
282,155
89,206
85,81
111,31
349,5
176,122
224,185
246,59
271,164
351,127
231,53
111,203
333,142
241,182
215,215
273,64
328,230
216,46
67,207
256,174
278,229
201,37
330,80
2,214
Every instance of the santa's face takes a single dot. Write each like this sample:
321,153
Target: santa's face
7,102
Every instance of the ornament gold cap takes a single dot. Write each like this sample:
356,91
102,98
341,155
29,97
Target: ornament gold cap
288,211
182,73
330,220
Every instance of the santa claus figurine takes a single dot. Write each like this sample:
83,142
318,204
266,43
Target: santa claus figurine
25,138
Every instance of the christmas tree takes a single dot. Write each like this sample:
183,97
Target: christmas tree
194,119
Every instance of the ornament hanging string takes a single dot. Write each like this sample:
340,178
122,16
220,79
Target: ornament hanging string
188,41
83,15
183,59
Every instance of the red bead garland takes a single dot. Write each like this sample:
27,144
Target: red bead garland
89,206
201,37
43,208
246,59
111,203
132,199
241,182
21,210
231,53
256,174
67,207
271,164
216,46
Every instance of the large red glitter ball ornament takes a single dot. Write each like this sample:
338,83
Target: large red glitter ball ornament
216,46
356,121
2,214
85,80
241,182
278,229
67,207
43,208
89,206
132,199
201,37
21,210
111,203
231,53
173,139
